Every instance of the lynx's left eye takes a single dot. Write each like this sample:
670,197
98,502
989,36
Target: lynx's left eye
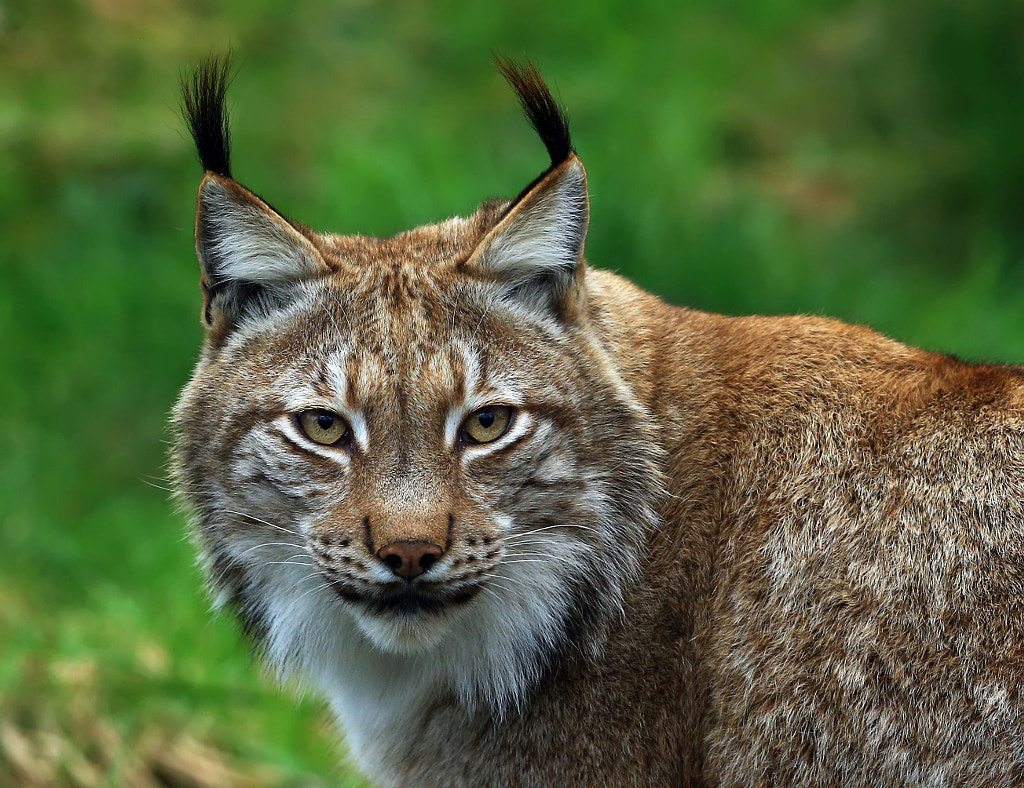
487,424
322,426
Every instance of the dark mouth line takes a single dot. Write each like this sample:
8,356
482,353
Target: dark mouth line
407,600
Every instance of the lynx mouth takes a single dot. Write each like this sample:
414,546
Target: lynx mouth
408,600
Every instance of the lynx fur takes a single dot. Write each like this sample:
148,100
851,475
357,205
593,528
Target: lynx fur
704,550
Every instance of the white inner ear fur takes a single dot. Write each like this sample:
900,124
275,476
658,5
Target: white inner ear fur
545,237
249,242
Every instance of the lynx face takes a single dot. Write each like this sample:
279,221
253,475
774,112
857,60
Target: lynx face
409,455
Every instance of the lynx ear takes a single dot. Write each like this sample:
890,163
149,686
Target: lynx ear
536,250
251,256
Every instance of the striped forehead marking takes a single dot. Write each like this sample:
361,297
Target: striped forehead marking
341,393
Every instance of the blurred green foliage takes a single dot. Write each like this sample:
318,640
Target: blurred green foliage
858,159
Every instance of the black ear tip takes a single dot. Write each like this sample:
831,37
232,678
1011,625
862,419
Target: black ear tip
204,107
545,115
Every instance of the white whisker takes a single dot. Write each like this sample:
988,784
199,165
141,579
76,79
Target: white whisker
567,526
491,582
309,591
492,592
570,560
513,580
248,550
526,561
158,486
257,519
302,554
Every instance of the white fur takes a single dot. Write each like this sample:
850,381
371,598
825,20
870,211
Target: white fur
253,245
471,382
548,236
340,384
379,681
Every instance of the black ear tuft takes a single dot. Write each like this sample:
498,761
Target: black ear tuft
540,107
205,111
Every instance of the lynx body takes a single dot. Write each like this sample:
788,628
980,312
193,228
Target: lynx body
523,524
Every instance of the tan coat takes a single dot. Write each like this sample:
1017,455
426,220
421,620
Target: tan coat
701,551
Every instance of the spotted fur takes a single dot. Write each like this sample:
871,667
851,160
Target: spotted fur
709,550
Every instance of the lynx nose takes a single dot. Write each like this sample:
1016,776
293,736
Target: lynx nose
410,559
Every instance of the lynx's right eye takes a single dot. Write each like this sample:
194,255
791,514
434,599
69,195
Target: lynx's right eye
487,424
324,427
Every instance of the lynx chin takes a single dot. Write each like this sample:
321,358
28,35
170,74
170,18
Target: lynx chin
524,524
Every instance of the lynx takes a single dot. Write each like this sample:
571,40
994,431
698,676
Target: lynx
521,523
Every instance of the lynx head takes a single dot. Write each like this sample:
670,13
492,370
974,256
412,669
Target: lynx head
412,452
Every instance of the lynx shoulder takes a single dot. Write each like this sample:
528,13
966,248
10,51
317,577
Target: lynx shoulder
521,523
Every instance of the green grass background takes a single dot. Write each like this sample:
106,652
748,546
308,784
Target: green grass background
857,159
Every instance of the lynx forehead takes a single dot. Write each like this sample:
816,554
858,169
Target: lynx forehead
521,523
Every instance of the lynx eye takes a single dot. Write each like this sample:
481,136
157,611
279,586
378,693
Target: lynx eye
322,426
487,424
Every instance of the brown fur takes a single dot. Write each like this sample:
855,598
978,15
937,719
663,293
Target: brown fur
831,594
